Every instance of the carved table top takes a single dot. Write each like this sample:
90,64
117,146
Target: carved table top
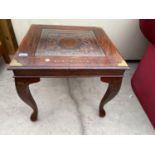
65,47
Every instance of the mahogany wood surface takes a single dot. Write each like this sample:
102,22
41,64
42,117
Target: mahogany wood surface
113,89
66,51
22,87
29,61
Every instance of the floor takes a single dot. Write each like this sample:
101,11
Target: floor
70,106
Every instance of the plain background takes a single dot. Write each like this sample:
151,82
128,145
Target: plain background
124,33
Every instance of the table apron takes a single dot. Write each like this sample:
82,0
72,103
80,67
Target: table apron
67,73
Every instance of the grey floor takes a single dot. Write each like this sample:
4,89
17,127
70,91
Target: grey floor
70,106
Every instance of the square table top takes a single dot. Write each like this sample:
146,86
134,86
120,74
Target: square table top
66,47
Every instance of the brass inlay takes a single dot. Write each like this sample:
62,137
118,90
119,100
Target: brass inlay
56,42
14,62
123,63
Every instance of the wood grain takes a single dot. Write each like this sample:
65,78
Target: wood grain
58,53
111,60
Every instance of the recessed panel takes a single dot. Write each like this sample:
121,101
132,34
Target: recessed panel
54,42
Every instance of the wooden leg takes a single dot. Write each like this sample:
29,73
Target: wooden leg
113,89
22,87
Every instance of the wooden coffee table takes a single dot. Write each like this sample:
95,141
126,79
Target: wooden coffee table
66,51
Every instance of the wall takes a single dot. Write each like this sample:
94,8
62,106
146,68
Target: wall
124,33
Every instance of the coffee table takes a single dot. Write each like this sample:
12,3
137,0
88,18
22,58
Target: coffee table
49,51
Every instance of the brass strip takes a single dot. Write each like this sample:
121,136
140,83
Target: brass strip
14,62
